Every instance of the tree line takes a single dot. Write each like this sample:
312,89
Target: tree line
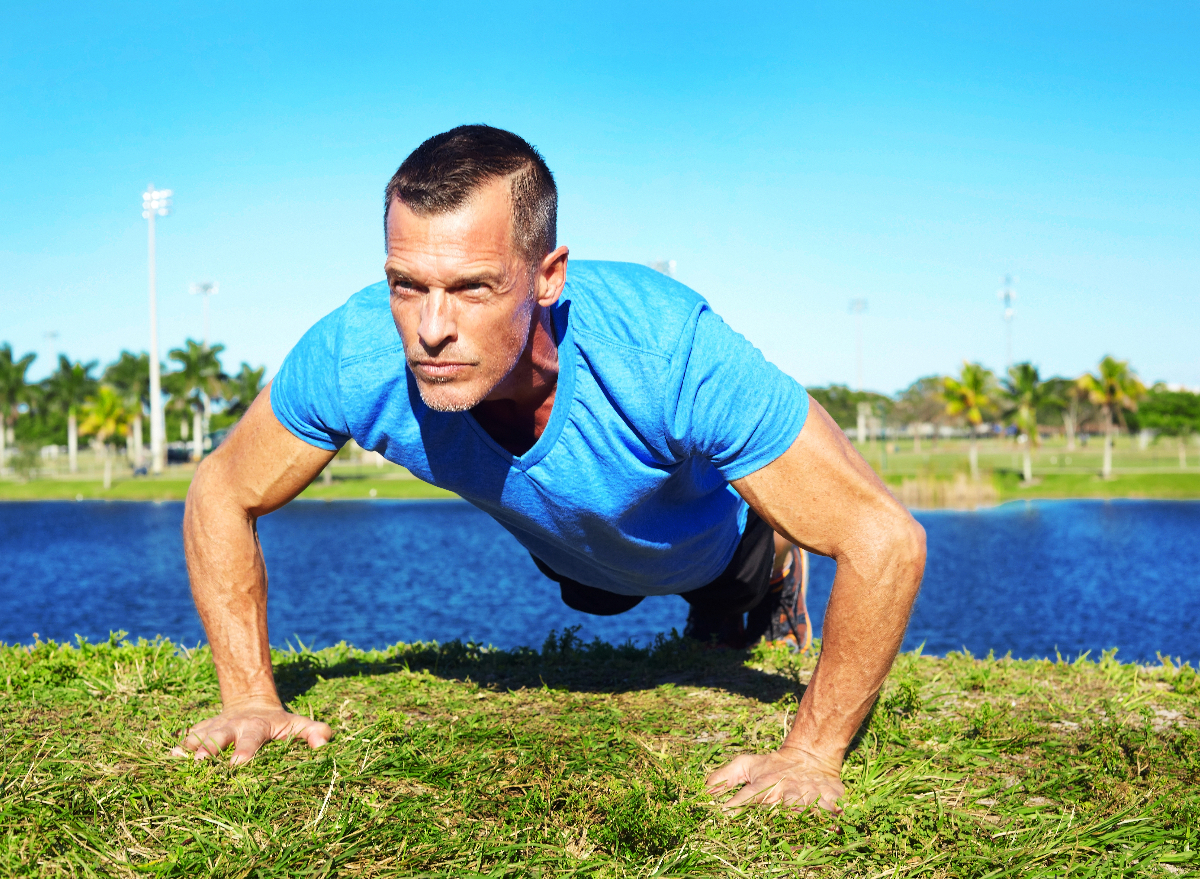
111,404
1105,402
79,399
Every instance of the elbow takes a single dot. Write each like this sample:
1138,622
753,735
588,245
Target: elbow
908,554
208,491
200,484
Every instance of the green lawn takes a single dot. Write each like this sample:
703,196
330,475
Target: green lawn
588,760
1176,485
174,486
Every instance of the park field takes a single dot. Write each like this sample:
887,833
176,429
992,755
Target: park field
1151,472
173,486
587,759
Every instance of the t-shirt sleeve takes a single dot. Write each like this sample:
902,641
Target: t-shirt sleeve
727,403
306,395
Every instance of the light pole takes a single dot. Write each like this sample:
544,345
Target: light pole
205,289
155,202
857,307
1008,296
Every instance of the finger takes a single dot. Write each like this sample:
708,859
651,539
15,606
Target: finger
733,774
829,801
209,743
756,792
317,734
248,743
190,743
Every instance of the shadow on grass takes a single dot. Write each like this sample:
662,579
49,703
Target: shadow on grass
564,663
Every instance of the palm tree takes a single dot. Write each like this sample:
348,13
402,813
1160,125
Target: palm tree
13,392
1025,393
242,388
968,396
920,404
199,380
1172,413
129,376
1072,403
104,415
1114,388
66,389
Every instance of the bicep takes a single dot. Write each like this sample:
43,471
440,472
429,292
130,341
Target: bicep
262,465
820,493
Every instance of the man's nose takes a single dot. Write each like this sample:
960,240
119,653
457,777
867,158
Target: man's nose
438,324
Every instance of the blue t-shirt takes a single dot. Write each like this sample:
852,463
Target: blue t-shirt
659,406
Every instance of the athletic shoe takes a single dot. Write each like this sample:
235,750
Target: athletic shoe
782,617
716,630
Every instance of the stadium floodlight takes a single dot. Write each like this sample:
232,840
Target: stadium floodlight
155,203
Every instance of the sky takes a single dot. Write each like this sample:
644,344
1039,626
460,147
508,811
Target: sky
789,158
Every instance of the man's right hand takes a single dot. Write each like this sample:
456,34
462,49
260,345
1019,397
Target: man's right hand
258,468
248,728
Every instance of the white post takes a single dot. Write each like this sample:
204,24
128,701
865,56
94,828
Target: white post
72,442
137,436
157,427
197,435
155,202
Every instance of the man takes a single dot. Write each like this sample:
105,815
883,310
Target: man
630,440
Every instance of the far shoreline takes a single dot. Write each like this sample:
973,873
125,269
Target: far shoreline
997,492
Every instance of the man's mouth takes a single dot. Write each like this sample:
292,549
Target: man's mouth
439,370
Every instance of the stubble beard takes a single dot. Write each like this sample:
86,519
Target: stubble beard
440,402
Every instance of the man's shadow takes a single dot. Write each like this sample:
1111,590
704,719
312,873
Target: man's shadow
564,663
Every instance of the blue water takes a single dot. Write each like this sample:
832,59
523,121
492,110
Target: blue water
1032,578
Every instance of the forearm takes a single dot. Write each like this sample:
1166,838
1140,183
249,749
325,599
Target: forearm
229,586
864,625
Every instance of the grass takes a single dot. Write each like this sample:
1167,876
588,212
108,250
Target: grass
1171,486
174,484
587,759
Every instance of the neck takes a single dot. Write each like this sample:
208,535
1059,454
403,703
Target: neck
516,413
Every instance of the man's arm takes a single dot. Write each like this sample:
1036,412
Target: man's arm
823,496
259,468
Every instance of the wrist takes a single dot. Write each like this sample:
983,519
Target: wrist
252,701
824,760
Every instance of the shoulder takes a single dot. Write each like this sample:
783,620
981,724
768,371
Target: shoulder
630,305
365,326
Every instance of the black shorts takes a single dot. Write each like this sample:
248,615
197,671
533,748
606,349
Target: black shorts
740,587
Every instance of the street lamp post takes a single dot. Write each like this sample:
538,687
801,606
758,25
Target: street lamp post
1008,295
205,289
155,202
857,307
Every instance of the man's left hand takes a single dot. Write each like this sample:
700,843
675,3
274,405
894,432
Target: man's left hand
787,777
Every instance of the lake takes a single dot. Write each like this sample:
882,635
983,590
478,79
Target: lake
1031,578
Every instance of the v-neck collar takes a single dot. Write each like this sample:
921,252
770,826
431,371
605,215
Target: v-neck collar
564,393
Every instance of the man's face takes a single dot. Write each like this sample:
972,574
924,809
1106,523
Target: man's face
461,296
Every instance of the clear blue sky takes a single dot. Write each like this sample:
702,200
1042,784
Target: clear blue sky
789,158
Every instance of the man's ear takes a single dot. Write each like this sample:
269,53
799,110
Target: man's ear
552,276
